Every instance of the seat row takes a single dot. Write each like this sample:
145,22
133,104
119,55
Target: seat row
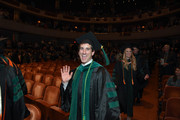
169,93
47,99
49,64
47,79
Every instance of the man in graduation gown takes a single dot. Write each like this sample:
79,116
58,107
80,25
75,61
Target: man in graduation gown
12,90
142,72
88,92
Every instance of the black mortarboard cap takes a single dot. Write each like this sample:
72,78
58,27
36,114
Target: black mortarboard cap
91,39
135,45
126,46
2,44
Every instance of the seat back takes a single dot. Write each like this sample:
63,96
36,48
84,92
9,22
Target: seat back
164,82
57,73
28,69
43,70
35,112
57,81
47,79
38,77
38,90
35,70
28,75
166,77
173,107
171,91
51,95
52,68
29,84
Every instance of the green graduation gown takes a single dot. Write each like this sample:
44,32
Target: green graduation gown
15,106
91,94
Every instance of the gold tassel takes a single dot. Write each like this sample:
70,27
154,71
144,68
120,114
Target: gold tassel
124,82
132,75
132,82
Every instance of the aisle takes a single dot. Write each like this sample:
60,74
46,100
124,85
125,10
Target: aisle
147,109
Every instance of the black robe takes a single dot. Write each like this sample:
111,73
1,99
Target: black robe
15,106
126,92
142,70
100,107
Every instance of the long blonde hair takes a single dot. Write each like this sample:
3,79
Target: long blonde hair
126,63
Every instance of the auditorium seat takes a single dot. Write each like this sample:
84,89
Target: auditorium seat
22,66
163,85
51,98
43,70
37,92
57,73
47,79
166,77
35,70
28,75
29,84
35,64
28,69
35,113
55,113
170,91
38,77
172,109
51,70
57,81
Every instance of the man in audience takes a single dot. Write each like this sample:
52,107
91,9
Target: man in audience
89,93
167,61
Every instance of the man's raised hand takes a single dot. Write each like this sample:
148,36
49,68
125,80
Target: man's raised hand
65,73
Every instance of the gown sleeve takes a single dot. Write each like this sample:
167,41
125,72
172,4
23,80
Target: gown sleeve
66,96
107,106
22,81
117,76
15,105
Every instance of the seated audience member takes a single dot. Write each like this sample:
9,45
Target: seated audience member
175,80
168,61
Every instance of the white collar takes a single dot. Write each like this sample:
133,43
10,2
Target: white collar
87,63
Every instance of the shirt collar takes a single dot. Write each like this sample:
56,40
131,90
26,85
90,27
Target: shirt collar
87,63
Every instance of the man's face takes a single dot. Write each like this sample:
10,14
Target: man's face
135,50
85,52
177,71
166,48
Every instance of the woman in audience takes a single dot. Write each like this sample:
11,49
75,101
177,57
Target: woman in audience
124,76
175,80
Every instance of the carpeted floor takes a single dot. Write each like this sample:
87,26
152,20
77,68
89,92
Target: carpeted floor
148,108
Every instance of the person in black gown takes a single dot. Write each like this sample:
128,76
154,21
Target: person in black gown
89,92
12,89
124,76
142,72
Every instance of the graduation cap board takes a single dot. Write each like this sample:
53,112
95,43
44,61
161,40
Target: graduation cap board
91,39
2,42
1,39
125,46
